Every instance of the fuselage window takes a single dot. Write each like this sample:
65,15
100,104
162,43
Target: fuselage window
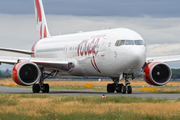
129,42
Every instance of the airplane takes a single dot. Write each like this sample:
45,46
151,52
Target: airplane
115,53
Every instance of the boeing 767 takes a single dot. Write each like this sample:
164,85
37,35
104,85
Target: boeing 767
113,53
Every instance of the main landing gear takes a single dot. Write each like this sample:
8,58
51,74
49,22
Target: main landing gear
41,86
120,88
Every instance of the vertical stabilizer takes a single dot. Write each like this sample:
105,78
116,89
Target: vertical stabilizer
41,23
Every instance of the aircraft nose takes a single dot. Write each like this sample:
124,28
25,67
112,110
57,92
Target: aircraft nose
136,56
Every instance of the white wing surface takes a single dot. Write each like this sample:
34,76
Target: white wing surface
58,64
172,58
16,50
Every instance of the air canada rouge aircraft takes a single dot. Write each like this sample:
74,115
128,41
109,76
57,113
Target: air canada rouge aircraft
115,53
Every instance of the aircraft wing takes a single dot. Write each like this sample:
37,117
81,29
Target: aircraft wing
16,50
172,58
56,63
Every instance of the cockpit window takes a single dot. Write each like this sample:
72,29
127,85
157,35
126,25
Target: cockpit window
129,42
117,43
121,42
138,42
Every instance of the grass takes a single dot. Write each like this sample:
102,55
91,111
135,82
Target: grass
8,100
36,106
110,99
115,115
29,106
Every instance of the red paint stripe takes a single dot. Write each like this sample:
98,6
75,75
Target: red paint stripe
96,65
41,31
33,49
38,8
45,31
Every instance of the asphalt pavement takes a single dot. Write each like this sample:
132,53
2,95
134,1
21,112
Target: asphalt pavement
5,89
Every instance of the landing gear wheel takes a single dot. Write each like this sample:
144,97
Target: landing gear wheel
36,88
118,90
129,90
45,88
110,88
123,89
41,86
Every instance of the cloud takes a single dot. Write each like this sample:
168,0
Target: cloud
17,31
153,30
121,8
163,49
161,34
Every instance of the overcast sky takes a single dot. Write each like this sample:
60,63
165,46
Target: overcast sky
157,21
122,8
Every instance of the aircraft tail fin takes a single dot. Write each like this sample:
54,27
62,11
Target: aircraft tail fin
41,23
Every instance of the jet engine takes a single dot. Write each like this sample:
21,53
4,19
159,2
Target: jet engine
26,73
157,74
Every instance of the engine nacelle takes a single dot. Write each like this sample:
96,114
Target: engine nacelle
157,74
26,73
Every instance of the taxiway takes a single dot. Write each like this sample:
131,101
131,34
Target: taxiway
4,89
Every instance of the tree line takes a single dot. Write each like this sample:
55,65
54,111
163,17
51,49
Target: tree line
5,73
175,74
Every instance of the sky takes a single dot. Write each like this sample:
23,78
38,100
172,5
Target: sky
157,21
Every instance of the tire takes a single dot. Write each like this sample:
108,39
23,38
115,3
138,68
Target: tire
46,88
119,88
123,89
110,88
129,91
113,88
36,88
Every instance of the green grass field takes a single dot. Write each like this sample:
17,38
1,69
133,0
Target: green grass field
30,106
59,107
